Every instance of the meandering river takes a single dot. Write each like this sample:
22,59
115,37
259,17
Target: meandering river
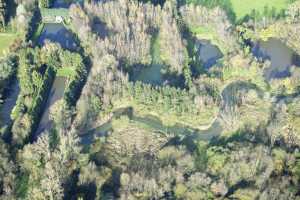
186,133
280,55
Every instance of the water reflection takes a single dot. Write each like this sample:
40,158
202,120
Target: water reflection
10,102
57,33
280,56
56,93
208,53
150,74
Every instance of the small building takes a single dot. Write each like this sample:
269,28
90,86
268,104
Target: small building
54,15
58,19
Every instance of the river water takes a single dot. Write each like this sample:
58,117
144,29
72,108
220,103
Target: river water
65,3
186,134
56,93
9,102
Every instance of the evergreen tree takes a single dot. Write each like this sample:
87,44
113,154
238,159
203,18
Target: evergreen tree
2,12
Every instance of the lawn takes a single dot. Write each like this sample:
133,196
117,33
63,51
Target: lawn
66,72
244,7
171,118
209,33
6,39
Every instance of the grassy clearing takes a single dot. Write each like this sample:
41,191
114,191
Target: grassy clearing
241,8
147,123
209,33
124,123
6,39
155,50
66,72
199,121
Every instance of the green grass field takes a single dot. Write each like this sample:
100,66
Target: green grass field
66,72
6,39
244,7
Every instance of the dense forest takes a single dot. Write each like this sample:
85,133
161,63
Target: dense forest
149,99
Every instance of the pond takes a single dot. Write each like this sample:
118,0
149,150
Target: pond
155,75
56,93
208,53
58,33
9,103
280,56
151,74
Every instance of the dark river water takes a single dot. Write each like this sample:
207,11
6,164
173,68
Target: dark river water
65,3
56,93
9,103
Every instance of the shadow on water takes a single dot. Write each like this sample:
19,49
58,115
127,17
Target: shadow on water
240,185
56,93
208,53
65,3
9,103
58,33
100,28
112,185
155,75
154,2
281,57
149,74
157,72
